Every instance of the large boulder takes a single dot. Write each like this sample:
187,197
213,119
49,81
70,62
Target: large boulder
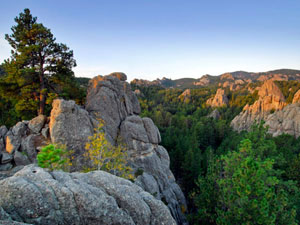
37,123
70,125
31,144
12,142
19,129
36,196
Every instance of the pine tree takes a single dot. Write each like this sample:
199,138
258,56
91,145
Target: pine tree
37,63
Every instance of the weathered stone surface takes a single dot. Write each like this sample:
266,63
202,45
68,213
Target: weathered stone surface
152,131
219,100
5,157
70,125
147,156
21,159
286,121
4,167
35,196
269,88
112,100
12,143
30,145
296,98
37,123
45,132
270,99
19,129
3,131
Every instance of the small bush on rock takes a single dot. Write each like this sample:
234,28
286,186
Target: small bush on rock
104,156
55,157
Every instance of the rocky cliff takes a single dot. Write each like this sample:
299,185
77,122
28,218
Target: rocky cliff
35,196
111,99
286,121
219,100
270,99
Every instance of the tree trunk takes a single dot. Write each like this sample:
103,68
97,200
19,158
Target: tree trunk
42,91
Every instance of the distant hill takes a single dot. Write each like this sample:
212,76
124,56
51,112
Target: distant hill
234,80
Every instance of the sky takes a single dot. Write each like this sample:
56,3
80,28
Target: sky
149,39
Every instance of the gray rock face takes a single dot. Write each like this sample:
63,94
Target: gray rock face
3,131
30,144
21,159
70,125
4,167
22,142
113,101
12,143
19,129
6,157
36,124
286,121
35,196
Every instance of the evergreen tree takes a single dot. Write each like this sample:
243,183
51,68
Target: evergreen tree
37,63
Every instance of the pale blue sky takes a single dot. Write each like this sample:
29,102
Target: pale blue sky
174,38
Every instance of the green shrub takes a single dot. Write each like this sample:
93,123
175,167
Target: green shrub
54,157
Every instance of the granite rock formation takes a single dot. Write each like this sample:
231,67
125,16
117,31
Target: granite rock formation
296,98
270,99
20,144
185,96
111,99
286,121
219,100
35,196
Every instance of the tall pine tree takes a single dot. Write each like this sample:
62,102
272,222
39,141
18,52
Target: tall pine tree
38,65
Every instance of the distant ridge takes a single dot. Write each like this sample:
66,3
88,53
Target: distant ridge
232,80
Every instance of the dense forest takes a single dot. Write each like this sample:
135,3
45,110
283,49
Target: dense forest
228,177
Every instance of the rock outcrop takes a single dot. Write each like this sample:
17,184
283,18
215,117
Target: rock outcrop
71,126
286,121
111,99
185,96
19,145
219,100
296,98
270,99
35,196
